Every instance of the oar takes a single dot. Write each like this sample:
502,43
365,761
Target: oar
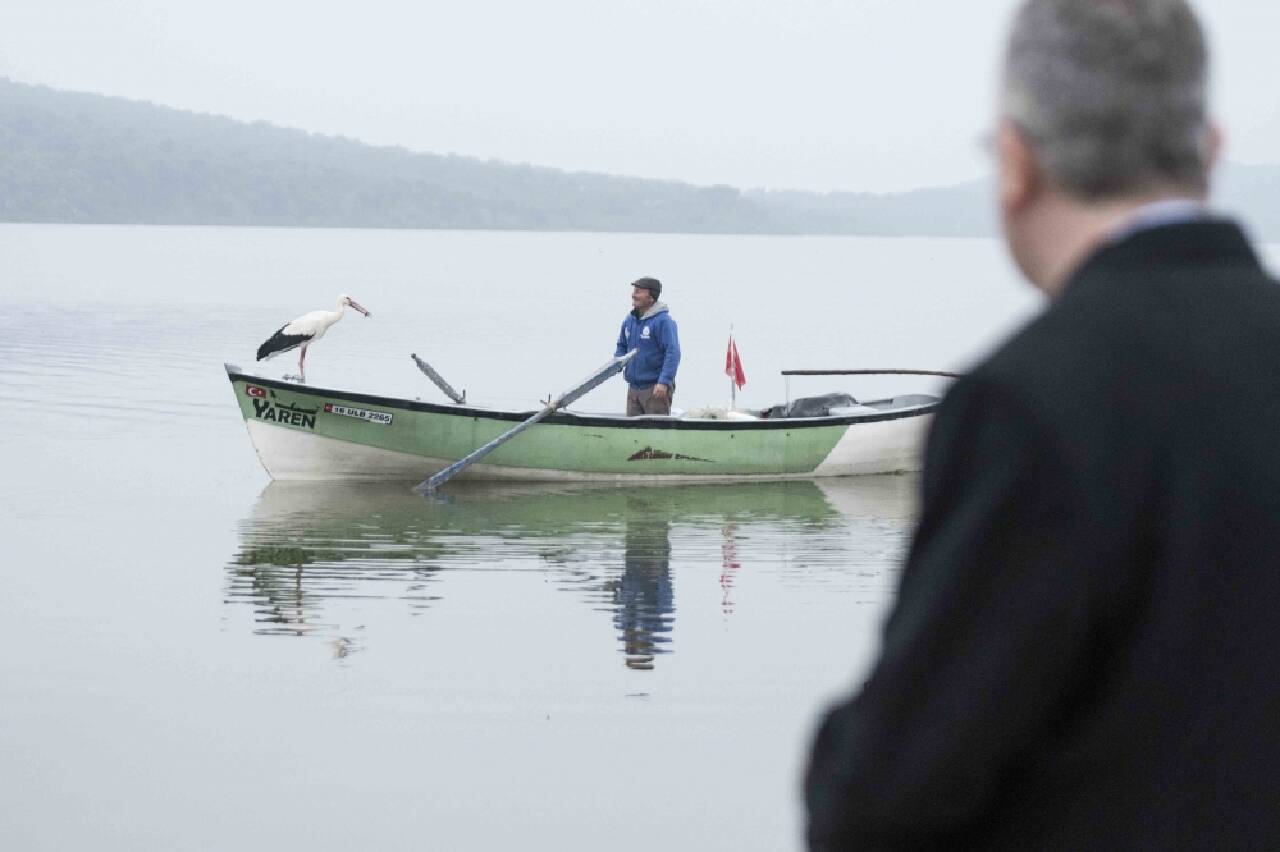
431,374
590,383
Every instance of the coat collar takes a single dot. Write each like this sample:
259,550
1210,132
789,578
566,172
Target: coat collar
1208,240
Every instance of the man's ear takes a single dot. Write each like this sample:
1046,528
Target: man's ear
1215,143
1020,177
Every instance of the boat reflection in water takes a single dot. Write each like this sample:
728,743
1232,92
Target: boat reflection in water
315,558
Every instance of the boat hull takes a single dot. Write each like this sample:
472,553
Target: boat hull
306,433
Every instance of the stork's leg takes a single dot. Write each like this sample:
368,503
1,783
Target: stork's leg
302,372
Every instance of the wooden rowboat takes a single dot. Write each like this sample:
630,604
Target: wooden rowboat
302,432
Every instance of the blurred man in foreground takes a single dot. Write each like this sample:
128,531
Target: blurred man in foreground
1085,649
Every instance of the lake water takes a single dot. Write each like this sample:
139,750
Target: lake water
194,658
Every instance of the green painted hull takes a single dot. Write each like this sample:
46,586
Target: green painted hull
308,433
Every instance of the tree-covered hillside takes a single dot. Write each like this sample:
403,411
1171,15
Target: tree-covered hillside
75,157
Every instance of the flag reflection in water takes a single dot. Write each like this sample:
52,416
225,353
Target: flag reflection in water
729,565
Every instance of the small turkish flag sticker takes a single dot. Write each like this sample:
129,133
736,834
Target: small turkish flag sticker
254,390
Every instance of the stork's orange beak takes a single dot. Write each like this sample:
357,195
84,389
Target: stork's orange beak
357,306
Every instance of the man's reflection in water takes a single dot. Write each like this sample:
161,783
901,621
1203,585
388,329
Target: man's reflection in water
643,600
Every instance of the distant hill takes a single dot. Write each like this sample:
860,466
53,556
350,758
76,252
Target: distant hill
1253,193
76,157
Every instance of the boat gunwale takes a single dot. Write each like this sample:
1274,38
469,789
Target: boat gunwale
570,419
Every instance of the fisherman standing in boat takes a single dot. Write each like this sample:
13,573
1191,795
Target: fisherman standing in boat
649,328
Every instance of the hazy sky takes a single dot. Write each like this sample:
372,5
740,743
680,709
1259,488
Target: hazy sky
815,94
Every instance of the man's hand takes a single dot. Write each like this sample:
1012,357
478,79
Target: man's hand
659,391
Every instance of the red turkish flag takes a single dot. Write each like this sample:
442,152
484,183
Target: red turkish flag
733,364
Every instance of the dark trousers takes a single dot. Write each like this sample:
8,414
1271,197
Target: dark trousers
640,401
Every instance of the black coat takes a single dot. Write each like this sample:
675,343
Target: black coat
1085,648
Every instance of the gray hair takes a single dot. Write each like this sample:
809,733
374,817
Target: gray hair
1111,94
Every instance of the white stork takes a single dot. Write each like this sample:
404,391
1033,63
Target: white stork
305,330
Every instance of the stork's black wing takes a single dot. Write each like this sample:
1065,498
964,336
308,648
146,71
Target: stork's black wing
281,342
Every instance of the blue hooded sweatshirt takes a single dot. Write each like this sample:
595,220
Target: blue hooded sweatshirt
654,334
